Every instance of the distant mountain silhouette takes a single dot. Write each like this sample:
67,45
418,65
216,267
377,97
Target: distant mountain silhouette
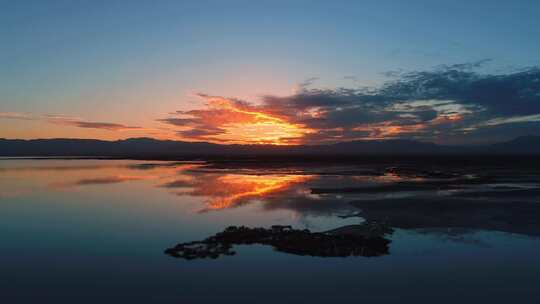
520,145
152,148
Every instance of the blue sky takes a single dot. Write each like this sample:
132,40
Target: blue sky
132,63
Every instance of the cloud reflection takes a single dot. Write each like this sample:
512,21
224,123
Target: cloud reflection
101,181
230,190
406,197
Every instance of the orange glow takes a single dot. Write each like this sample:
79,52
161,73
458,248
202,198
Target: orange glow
240,187
217,190
262,132
450,118
390,131
239,123
230,190
387,130
263,129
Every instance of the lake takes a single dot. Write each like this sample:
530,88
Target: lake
84,230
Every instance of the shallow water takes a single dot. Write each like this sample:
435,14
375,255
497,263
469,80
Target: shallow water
95,230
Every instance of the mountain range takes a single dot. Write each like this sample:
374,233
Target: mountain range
167,149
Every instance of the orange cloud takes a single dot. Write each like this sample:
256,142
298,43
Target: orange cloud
233,121
312,117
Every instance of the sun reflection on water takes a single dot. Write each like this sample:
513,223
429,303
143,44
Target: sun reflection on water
237,188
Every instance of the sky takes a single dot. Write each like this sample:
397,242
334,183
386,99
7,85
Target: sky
278,72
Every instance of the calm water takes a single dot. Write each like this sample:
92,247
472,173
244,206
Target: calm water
95,230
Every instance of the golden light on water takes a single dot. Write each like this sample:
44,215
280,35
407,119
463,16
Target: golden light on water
235,188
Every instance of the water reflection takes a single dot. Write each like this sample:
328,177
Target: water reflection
231,190
99,181
405,197
113,219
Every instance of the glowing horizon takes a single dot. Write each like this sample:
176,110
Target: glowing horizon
264,73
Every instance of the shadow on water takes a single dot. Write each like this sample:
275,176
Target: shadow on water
417,213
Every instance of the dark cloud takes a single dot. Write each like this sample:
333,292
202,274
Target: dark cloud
77,122
106,180
508,94
306,83
467,65
177,121
448,101
103,125
201,131
67,120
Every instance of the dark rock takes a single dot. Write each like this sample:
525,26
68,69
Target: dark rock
420,173
357,240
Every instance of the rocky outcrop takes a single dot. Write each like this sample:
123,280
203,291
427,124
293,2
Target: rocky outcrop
359,240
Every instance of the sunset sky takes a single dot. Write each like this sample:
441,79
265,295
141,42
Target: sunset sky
279,72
